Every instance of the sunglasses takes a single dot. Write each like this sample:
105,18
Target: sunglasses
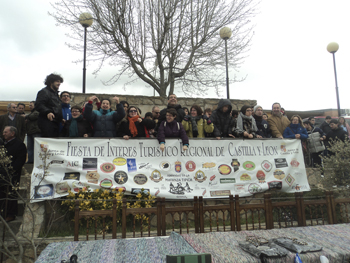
132,110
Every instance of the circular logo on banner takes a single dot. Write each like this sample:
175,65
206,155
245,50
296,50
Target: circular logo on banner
62,188
279,174
224,169
165,166
261,176
200,176
249,165
120,177
190,166
106,183
119,161
140,179
156,176
254,188
107,167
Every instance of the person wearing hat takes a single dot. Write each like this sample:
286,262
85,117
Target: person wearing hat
261,124
278,123
336,132
245,124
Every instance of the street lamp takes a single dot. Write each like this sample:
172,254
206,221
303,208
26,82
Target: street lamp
225,34
85,19
332,48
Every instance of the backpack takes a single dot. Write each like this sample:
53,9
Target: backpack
314,143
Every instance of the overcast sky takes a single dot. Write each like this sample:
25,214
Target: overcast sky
288,61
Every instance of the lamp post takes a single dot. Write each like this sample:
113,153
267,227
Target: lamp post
225,34
85,19
332,48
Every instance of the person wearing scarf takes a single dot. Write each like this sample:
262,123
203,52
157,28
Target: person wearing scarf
296,129
245,124
77,126
197,125
135,126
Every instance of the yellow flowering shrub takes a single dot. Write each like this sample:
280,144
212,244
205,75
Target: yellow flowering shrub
102,199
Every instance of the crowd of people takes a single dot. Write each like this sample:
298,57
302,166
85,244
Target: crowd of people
51,115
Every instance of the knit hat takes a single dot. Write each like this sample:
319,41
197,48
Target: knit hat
256,107
244,108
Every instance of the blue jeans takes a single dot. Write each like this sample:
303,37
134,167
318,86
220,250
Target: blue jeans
30,146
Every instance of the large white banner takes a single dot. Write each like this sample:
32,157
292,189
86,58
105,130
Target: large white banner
209,168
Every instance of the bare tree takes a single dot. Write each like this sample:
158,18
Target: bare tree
162,42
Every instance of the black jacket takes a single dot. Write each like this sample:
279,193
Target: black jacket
180,113
32,122
325,127
18,151
48,101
339,134
263,127
140,126
221,119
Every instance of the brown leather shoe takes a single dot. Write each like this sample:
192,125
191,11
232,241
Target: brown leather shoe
10,218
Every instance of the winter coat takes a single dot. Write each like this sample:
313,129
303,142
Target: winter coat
220,119
32,122
19,124
263,127
18,151
140,126
202,126
104,121
338,134
294,129
277,125
325,127
180,113
48,101
172,129
247,126
84,127
316,129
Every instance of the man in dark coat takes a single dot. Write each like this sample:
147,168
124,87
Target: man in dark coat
336,133
325,125
48,104
13,119
221,118
32,130
17,151
172,103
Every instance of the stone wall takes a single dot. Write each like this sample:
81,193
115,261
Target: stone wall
146,103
